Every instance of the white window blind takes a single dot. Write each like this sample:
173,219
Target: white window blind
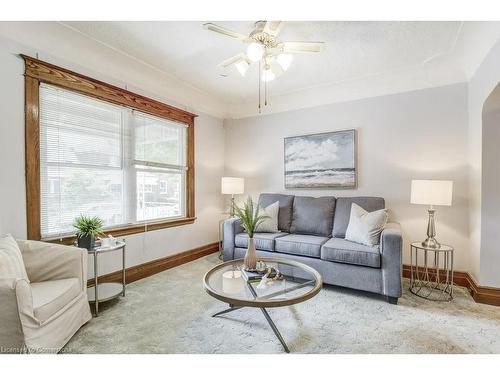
101,159
160,167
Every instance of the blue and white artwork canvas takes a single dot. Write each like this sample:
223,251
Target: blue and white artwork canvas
326,160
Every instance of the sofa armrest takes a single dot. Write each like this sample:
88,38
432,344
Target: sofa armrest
47,261
391,249
232,227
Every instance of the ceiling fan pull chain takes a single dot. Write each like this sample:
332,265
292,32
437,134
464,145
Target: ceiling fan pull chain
265,81
260,70
265,93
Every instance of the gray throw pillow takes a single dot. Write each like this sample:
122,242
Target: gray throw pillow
313,215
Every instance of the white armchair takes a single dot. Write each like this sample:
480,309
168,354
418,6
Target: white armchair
41,314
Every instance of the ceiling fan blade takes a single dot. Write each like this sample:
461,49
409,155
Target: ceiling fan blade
233,60
302,47
273,27
224,31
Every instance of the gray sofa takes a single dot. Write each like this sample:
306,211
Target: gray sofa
312,231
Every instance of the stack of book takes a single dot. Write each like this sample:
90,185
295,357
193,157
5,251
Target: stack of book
251,276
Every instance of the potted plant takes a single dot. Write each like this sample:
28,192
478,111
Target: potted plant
250,220
87,229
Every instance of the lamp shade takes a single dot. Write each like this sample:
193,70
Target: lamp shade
431,192
232,185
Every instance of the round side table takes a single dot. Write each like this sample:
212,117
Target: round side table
101,292
433,278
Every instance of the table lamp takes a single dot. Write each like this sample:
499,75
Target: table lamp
232,185
432,193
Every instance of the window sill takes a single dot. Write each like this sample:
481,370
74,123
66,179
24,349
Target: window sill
130,229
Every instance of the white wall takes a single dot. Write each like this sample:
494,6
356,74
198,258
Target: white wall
490,205
209,145
480,87
414,135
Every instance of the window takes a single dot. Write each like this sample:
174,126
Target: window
88,154
101,159
160,156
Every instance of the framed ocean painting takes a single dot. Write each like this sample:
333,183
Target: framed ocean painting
325,160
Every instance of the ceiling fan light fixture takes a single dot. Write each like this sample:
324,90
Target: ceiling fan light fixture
268,75
242,67
285,60
273,56
255,51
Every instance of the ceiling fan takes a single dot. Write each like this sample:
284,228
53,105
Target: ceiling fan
264,47
273,56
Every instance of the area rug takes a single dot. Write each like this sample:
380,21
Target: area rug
171,313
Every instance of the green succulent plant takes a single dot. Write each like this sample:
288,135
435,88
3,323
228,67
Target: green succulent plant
88,226
249,216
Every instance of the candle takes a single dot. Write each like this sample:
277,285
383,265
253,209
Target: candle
232,282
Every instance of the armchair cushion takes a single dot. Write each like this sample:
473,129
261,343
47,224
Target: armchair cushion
11,260
51,296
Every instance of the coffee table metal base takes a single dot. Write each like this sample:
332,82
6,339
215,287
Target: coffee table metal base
268,318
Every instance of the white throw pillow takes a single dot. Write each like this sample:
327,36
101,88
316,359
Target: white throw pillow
270,224
365,227
11,260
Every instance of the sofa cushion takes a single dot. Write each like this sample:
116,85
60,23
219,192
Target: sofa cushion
343,211
300,244
313,215
365,227
263,241
285,210
11,259
51,296
343,251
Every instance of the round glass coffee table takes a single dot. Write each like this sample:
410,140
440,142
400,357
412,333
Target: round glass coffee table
227,283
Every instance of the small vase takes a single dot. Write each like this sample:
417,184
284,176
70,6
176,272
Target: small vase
250,261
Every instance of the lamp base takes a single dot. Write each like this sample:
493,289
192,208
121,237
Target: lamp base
431,243
231,208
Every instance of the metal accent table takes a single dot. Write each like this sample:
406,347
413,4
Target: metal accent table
101,292
300,283
430,281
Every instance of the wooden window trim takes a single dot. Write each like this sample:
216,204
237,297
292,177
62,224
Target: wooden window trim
36,72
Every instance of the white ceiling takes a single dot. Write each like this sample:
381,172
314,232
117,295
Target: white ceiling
434,52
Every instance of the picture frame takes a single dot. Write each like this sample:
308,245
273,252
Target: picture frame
321,161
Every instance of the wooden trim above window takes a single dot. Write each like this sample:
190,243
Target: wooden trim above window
45,72
37,71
